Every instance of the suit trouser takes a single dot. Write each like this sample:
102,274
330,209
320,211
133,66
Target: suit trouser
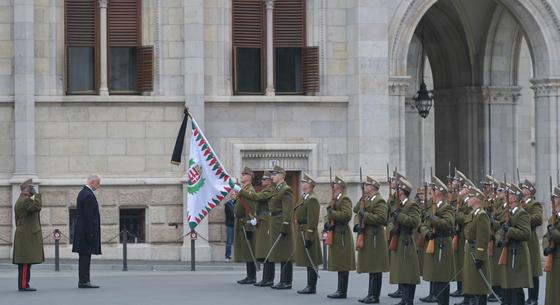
24,275
83,268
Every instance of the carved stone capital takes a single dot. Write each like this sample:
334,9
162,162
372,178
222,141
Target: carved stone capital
501,95
546,87
269,4
103,3
398,85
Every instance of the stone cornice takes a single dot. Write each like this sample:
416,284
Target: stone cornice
398,85
113,181
546,87
505,95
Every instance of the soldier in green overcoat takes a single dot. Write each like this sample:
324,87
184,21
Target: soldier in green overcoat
371,221
477,234
244,228
341,253
551,245
420,238
308,246
497,217
404,266
28,239
281,208
392,202
535,210
439,266
517,274
262,238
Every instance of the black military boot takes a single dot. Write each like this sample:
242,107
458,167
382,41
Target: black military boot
481,300
342,286
534,293
285,276
251,275
430,298
311,282
498,291
459,292
377,287
371,288
397,293
266,281
441,290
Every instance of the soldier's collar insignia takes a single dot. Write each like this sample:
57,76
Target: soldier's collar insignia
338,196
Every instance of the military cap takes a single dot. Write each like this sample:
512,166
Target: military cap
439,185
247,171
529,185
25,184
502,186
469,184
514,190
477,193
420,190
278,170
266,175
405,185
339,181
459,176
556,191
489,180
373,182
307,178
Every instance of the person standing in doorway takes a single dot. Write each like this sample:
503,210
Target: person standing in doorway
230,221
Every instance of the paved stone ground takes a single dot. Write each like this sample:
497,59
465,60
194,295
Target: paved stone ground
213,284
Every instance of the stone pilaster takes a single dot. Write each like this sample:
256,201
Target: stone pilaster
103,87
269,48
500,132
398,89
547,132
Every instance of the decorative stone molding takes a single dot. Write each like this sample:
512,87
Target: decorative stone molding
546,87
269,4
103,3
552,13
508,95
398,85
281,154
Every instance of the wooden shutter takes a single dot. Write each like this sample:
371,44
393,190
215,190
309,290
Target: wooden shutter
144,68
248,20
289,23
81,23
124,26
311,69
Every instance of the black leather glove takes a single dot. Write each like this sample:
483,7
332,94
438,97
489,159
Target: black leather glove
429,235
395,215
284,229
478,263
327,226
500,244
362,213
394,231
547,251
425,214
308,243
356,228
249,234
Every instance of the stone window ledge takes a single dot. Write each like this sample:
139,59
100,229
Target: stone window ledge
276,99
108,99
105,181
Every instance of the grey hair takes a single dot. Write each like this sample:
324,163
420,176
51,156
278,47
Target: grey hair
93,177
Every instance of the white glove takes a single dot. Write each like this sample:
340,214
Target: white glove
253,222
236,188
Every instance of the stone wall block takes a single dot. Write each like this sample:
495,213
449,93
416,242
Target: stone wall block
108,196
5,196
109,232
5,233
143,114
53,196
134,197
174,214
6,216
164,233
59,216
109,215
158,215
169,195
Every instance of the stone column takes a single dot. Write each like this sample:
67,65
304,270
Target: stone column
24,95
547,133
269,48
500,132
398,89
103,89
193,71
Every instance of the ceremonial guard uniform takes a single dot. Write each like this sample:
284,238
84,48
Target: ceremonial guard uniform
392,203
420,238
437,229
515,233
281,208
535,210
497,217
404,266
371,221
263,238
341,253
308,246
551,244
477,234
28,238
244,228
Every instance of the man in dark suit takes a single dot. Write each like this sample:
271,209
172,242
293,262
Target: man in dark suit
87,234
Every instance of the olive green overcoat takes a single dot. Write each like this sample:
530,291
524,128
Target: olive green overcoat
439,266
342,255
420,237
244,210
373,257
461,212
262,236
517,273
404,266
281,207
307,218
535,210
477,234
28,239
552,294
497,219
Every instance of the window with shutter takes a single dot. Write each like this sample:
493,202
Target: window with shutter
81,43
145,64
248,46
311,69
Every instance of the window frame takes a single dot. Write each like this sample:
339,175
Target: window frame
145,223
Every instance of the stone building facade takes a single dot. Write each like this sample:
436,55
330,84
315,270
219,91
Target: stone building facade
494,67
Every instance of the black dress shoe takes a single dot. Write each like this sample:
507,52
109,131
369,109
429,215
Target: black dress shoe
337,295
402,302
492,299
27,289
307,290
464,302
87,285
429,299
397,294
281,286
247,281
369,300
531,302
264,283
457,294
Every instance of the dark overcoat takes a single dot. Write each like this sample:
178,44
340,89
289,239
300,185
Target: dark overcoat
87,232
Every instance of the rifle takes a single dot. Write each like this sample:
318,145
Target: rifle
422,238
493,215
551,245
431,248
455,240
390,198
394,244
505,250
361,233
449,183
330,232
